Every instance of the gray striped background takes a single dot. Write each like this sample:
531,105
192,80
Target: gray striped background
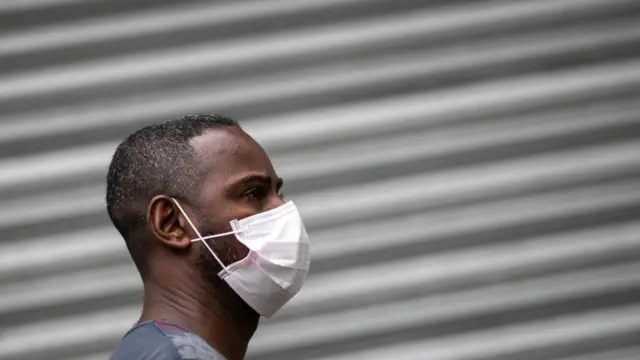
469,170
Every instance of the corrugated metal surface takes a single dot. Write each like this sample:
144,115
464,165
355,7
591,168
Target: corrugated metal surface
469,170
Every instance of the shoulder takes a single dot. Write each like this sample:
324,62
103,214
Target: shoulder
145,342
188,345
160,340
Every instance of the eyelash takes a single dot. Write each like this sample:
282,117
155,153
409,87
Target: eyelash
260,193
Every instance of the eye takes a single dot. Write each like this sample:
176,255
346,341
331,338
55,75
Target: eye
256,193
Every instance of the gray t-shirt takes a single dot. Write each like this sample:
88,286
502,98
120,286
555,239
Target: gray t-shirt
161,340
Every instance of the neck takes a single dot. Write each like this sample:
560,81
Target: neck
220,317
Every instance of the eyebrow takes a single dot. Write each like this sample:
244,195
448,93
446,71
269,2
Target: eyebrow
263,179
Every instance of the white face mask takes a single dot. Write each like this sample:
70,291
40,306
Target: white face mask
278,261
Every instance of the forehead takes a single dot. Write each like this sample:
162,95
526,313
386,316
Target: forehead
229,154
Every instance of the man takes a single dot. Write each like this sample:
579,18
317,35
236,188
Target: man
199,206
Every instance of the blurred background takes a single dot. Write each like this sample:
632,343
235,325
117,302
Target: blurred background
469,171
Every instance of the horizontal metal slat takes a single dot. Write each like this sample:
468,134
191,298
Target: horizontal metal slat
22,5
623,353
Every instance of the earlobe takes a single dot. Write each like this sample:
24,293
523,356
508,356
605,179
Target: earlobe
163,219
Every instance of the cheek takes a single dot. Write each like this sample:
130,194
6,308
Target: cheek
229,247
217,220
230,250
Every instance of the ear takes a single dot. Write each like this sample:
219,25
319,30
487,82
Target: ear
166,223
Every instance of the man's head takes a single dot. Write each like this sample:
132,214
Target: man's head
214,169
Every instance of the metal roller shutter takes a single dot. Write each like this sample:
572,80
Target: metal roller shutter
469,170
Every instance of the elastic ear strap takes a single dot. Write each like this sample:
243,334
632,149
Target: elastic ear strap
198,233
209,237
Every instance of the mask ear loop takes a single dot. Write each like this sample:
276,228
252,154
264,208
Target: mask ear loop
201,238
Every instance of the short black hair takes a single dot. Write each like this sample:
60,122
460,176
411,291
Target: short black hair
157,159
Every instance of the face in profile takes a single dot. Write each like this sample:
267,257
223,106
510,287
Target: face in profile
239,181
